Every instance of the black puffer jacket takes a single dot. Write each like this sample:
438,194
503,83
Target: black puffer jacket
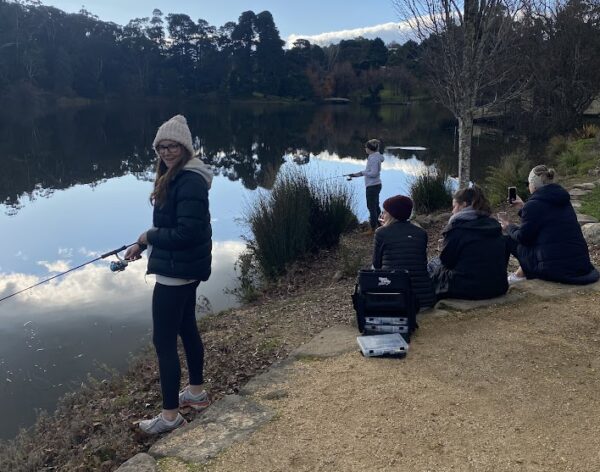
474,260
551,245
181,237
403,245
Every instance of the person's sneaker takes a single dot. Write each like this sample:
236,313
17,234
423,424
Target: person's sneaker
197,402
158,424
514,279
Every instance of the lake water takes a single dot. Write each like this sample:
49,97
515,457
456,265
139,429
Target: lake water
75,184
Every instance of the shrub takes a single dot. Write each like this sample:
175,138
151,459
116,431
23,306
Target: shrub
296,218
588,131
579,158
556,146
248,287
430,192
512,171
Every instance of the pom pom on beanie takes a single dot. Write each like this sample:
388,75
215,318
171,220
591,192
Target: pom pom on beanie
176,129
399,207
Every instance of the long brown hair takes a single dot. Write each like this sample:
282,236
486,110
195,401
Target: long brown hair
474,197
164,176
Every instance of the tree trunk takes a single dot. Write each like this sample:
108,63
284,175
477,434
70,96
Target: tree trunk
465,134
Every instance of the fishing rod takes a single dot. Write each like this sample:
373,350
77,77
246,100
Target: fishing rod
347,176
115,266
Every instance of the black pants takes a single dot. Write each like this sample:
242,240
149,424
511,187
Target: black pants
373,192
174,313
512,247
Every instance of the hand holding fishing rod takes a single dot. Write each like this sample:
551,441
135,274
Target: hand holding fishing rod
134,251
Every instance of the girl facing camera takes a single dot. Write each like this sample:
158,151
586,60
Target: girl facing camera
473,259
179,253
548,243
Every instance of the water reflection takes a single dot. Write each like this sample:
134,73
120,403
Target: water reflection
53,336
92,145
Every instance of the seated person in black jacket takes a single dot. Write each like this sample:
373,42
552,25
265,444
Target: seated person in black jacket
401,245
549,243
472,264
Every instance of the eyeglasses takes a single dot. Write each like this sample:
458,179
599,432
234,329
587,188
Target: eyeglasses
167,147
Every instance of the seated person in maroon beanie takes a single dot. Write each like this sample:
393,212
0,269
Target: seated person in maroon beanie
402,245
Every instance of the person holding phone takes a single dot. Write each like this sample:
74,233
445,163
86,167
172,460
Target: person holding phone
473,259
548,243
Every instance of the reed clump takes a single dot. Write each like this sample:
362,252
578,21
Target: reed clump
296,218
430,192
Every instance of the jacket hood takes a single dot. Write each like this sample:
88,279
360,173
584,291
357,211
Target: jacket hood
553,194
199,167
484,225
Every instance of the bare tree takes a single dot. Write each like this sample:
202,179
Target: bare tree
471,57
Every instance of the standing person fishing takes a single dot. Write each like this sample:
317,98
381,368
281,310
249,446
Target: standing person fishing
372,175
179,253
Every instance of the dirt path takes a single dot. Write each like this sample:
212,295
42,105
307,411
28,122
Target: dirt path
500,389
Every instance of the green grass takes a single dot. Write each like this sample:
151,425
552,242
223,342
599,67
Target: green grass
590,203
580,156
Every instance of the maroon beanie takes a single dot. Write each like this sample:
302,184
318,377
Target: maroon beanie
399,207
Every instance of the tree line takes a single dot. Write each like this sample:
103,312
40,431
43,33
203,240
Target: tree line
46,50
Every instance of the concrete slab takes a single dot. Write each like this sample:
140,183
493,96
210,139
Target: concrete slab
139,463
577,193
433,313
585,186
455,304
231,419
544,289
276,375
329,343
585,219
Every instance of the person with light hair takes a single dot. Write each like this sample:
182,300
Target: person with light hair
548,243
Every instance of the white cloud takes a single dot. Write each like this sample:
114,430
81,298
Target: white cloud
56,266
411,166
388,32
95,284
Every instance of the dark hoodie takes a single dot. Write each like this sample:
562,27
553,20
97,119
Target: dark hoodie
551,245
474,259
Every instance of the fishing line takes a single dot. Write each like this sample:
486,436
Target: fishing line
115,266
348,177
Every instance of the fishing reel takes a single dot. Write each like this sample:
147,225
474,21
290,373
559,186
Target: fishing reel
119,265
348,177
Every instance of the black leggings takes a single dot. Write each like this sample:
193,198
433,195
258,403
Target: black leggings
174,313
373,204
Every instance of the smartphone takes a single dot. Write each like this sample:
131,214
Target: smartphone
512,194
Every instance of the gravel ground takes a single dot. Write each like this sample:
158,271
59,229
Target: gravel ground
507,388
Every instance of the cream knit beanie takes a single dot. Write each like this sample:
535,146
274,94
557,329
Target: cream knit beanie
176,129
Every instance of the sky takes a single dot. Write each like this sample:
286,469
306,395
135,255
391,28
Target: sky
320,21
